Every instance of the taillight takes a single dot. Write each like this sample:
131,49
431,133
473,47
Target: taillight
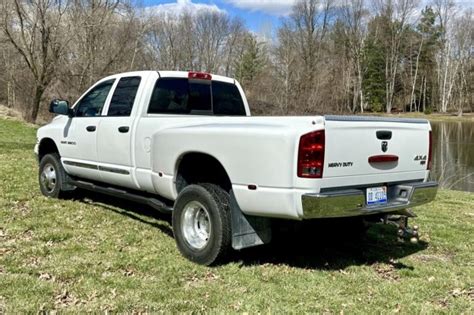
199,75
430,149
311,155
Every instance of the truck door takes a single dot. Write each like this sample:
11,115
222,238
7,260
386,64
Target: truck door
115,134
79,141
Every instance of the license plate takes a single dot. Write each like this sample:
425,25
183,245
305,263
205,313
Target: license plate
376,195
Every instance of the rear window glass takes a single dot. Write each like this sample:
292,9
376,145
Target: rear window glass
179,96
227,99
184,96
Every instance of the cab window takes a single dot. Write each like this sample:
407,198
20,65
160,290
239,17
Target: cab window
124,97
92,103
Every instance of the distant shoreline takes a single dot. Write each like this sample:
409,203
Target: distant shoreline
431,117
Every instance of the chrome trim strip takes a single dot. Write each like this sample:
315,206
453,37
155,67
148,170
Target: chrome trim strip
113,170
97,167
80,164
374,119
351,202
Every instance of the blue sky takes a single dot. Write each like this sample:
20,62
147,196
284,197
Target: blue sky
260,16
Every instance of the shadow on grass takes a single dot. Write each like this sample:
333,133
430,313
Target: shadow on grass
323,244
135,211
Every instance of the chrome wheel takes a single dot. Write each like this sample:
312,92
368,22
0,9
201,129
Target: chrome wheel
196,225
48,177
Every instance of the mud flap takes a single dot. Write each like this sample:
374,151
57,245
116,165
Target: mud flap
248,231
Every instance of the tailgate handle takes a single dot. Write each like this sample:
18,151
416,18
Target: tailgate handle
384,134
383,158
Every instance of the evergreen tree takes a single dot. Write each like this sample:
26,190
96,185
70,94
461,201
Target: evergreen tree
374,65
251,61
431,35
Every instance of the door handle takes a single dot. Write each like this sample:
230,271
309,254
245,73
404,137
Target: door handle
124,129
90,128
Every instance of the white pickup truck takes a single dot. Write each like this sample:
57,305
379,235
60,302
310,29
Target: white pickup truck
184,143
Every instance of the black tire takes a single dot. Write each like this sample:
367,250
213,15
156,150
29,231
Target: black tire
219,237
57,187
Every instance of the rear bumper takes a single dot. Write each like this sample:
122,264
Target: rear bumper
351,202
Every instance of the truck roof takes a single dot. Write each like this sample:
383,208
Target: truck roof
169,74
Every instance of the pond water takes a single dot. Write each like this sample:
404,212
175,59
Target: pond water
453,154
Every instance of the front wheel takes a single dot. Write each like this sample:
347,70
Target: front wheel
52,176
202,223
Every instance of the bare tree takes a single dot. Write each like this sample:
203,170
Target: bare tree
353,17
212,29
463,43
286,61
102,31
310,19
187,29
164,40
35,29
8,64
447,70
236,39
397,15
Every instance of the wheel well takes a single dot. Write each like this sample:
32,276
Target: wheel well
47,146
201,168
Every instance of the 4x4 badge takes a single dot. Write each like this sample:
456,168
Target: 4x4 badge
384,146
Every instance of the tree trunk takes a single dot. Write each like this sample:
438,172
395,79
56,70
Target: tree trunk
444,100
413,97
355,96
39,90
424,94
359,85
9,101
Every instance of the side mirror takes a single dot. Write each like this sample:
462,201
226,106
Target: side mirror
60,107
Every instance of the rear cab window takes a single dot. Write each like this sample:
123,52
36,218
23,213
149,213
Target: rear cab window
196,97
227,99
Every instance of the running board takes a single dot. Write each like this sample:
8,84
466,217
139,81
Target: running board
119,193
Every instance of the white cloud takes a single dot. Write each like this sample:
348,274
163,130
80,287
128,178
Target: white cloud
273,7
284,7
183,6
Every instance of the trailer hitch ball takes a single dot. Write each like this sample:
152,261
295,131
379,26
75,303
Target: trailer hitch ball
404,232
400,233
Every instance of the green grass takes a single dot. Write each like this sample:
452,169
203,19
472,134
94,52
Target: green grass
94,253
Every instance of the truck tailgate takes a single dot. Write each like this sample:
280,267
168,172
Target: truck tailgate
357,146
